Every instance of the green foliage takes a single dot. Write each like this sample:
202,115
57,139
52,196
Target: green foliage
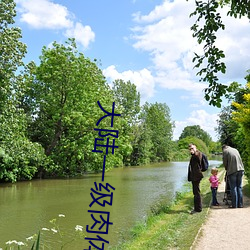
20,158
62,96
215,148
181,154
210,18
12,50
205,28
157,122
227,127
196,131
241,116
37,242
128,98
233,123
149,132
48,112
237,8
141,144
201,146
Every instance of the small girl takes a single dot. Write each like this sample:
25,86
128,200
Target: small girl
214,185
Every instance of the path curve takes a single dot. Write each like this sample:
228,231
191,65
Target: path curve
225,228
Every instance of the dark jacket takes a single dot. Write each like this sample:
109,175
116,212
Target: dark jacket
194,168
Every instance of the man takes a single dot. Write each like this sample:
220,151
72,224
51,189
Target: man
235,169
195,175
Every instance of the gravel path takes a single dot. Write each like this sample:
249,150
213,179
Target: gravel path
225,228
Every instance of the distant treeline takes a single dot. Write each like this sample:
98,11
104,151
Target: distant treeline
48,113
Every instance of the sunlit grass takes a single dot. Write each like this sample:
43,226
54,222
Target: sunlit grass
170,226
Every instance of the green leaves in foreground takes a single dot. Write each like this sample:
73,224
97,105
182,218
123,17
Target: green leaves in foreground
36,243
210,63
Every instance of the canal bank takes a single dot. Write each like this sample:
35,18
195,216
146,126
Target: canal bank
139,191
171,227
226,228
33,204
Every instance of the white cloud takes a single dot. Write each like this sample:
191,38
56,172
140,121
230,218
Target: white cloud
44,14
143,80
83,34
235,41
208,122
165,33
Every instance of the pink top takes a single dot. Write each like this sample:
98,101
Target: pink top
214,181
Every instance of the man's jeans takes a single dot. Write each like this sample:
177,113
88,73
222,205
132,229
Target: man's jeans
235,182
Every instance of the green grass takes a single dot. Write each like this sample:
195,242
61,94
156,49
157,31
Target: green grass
246,188
170,226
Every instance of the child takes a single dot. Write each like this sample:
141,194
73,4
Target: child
214,185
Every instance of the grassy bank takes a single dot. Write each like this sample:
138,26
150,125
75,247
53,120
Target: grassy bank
170,227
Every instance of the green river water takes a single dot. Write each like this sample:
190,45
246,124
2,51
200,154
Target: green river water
27,207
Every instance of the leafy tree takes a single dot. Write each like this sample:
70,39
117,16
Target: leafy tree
128,98
227,127
215,147
179,154
63,94
183,144
156,120
141,144
207,24
196,131
233,123
19,157
241,116
12,50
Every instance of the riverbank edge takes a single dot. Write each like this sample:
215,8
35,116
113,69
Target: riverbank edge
171,226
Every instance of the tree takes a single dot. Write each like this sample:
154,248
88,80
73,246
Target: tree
63,94
12,50
128,98
208,23
196,131
157,122
242,117
229,130
184,142
20,158
227,127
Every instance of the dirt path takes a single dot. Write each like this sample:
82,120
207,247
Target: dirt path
225,228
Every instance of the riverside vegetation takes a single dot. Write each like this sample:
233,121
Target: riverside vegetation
48,112
46,128
47,237
170,226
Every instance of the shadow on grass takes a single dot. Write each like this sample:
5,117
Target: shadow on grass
183,203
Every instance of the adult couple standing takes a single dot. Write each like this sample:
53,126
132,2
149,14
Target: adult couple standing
234,167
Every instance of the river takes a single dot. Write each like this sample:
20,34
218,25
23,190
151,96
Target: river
27,207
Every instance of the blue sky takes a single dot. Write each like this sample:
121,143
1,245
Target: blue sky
148,42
